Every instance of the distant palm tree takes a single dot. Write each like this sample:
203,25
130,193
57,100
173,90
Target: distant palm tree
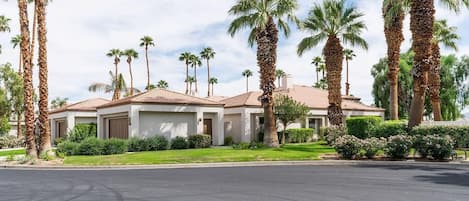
131,54
279,73
208,54
186,58
317,61
115,85
146,42
335,22
4,26
162,84
195,63
247,73
58,103
348,55
116,54
447,36
212,82
190,80
16,41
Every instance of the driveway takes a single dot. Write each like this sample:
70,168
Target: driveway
322,183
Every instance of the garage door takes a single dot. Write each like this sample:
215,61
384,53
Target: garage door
169,125
119,128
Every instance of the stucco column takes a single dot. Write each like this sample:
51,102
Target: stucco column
199,121
100,126
53,130
245,127
70,122
219,137
134,115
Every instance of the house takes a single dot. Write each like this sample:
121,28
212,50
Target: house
64,119
244,114
161,112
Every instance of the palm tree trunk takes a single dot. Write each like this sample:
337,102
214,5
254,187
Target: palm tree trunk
317,76
195,78
434,82
131,78
116,94
148,67
347,84
33,37
334,57
212,89
45,145
421,24
247,84
394,39
187,78
267,40
190,88
28,80
208,77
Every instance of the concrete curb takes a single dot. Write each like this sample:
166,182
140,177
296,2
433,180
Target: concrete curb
245,164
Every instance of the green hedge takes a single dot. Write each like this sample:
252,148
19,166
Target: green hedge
299,135
389,128
82,131
361,127
460,134
199,141
179,143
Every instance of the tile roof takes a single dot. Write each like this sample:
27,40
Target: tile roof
312,97
162,96
86,105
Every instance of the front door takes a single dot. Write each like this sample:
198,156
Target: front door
62,128
208,127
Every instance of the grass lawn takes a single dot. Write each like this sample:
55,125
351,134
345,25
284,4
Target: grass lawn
309,151
12,152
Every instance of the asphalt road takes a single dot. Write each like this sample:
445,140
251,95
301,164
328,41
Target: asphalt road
318,183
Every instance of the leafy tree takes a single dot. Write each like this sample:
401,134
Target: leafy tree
114,85
247,73
13,99
4,26
288,110
58,103
208,54
146,42
162,84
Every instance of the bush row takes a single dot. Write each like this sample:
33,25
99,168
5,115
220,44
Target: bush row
10,142
362,127
299,135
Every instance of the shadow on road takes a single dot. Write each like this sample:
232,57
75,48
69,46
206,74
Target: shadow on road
459,179
410,167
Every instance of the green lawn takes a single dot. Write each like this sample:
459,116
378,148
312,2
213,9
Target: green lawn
12,152
310,151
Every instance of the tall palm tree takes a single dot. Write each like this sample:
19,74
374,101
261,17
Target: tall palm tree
116,54
190,80
131,54
162,84
27,80
247,73
447,36
186,58
58,103
335,22
348,55
422,17
195,63
15,41
263,17
147,41
208,54
115,85
212,82
317,61
4,26
279,73
394,12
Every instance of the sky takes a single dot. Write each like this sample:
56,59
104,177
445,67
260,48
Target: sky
80,33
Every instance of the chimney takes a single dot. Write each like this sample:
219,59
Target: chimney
287,82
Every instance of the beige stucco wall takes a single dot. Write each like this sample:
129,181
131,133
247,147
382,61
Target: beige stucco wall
168,124
85,120
233,126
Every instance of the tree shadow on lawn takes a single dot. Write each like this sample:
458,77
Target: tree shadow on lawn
458,179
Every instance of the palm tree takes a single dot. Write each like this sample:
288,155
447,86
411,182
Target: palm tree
317,61
348,55
15,41
4,27
279,73
335,22
208,54
263,17
195,62
116,54
27,80
147,41
394,12
190,80
162,84
247,73
447,36
131,54
115,85
58,103
213,81
186,57
422,17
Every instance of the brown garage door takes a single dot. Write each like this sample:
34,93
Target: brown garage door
119,128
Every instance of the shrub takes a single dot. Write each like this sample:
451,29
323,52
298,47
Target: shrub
58,140
138,144
9,141
257,145
114,146
371,146
228,141
348,146
90,146
460,134
361,127
299,135
67,148
82,131
440,147
389,128
421,145
241,145
158,143
334,132
398,146
199,141
179,143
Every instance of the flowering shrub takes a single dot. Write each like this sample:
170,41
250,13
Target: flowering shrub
398,146
348,146
371,146
421,145
440,147
10,142
334,132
